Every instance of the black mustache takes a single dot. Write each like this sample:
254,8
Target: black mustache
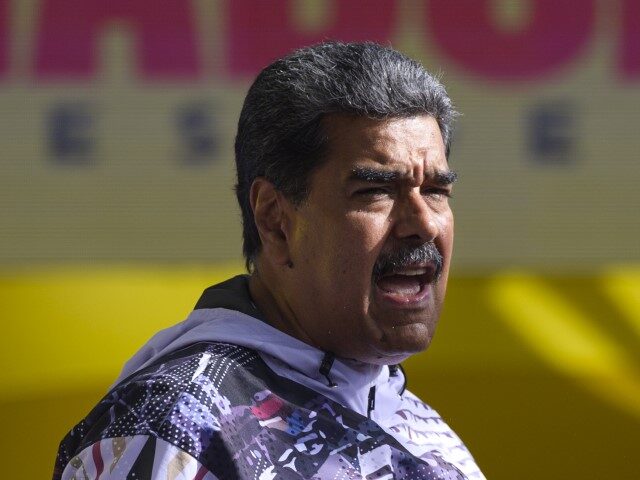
407,256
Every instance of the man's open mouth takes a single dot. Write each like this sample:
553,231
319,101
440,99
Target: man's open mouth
406,285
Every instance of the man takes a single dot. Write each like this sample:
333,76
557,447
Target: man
292,372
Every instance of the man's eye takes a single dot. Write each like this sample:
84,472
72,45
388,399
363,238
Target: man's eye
373,191
437,193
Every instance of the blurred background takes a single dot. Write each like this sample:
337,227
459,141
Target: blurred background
117,120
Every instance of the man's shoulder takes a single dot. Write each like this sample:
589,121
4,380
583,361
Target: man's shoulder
412,403
186,365
173,398
422,429
419,417
200,369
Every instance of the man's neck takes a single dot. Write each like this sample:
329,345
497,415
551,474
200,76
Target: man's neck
274,308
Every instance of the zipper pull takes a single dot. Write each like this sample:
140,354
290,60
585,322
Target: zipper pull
325,368
372,401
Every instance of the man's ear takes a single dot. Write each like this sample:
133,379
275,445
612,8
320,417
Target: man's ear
270,213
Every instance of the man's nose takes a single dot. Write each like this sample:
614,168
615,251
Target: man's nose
416,220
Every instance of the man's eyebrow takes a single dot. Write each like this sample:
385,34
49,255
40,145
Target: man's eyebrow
374,175
367,174
444,178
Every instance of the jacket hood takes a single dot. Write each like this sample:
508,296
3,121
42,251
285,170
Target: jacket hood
226,313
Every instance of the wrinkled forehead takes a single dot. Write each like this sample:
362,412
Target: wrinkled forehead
399,143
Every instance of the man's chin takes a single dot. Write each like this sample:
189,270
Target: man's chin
400,342
389,358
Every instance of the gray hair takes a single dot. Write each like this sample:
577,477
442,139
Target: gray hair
280,133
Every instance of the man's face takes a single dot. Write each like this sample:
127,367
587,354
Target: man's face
365,243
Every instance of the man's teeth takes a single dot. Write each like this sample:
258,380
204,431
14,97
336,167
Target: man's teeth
412,271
